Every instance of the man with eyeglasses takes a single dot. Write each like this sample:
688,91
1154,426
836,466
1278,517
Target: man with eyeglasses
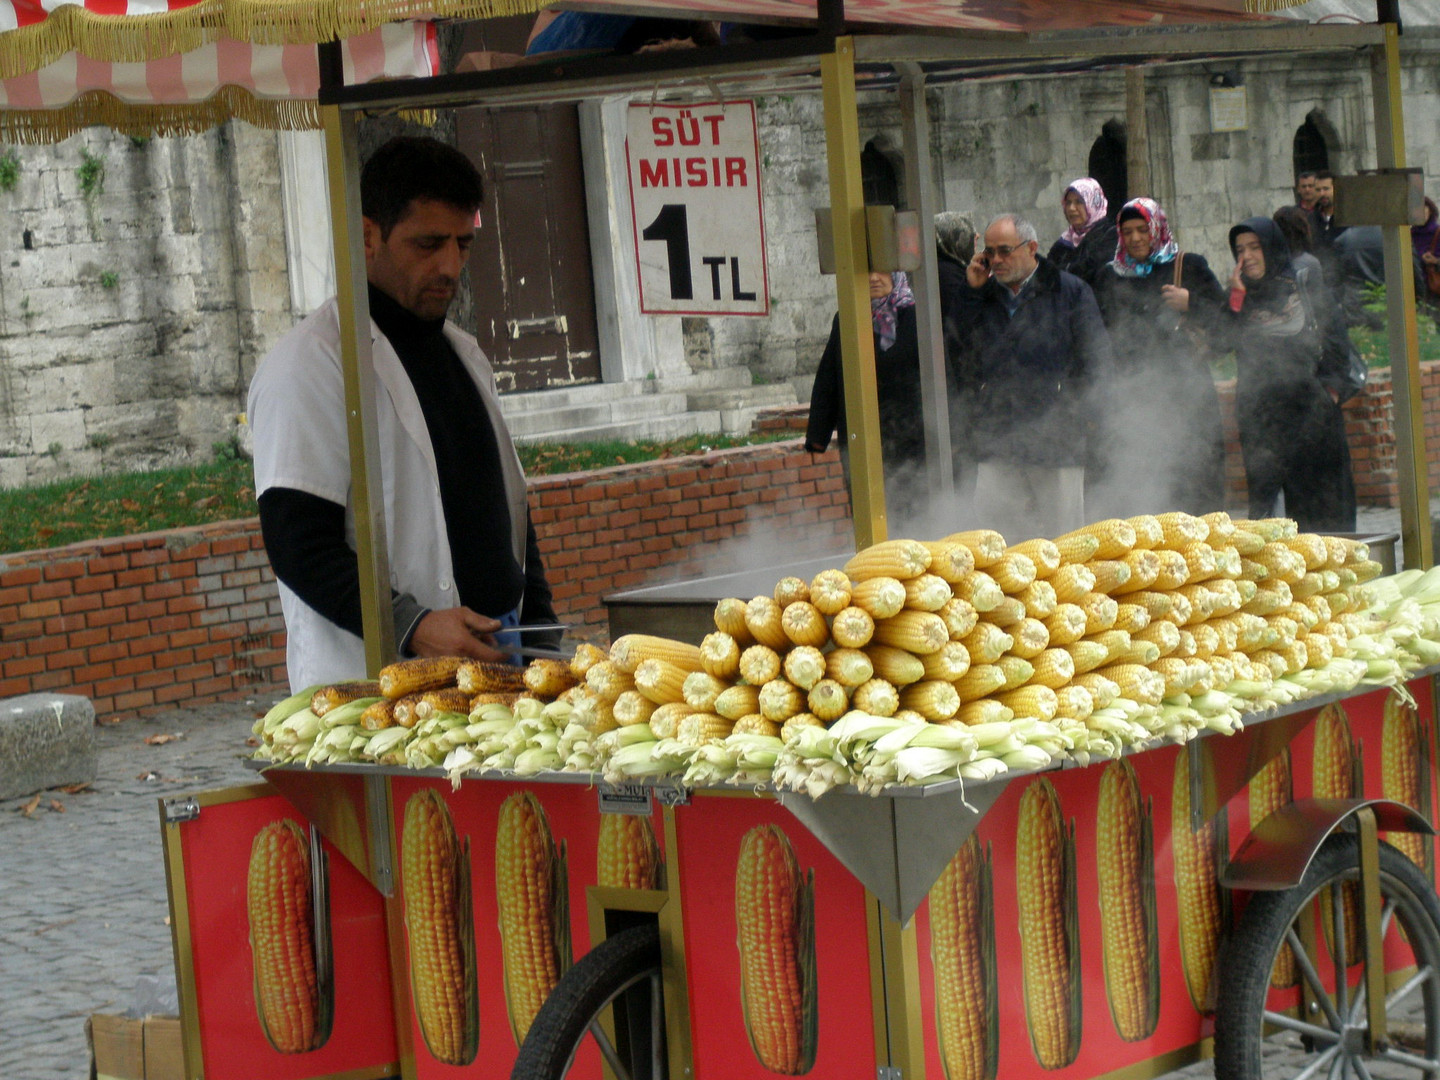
1042,353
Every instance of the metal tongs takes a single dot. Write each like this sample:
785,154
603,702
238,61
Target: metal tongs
535,651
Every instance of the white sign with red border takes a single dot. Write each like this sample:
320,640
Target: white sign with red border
696,211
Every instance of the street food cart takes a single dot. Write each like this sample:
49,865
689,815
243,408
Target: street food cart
902,932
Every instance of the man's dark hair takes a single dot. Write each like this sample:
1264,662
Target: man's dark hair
1295,226
1324,174
1308,172
408,168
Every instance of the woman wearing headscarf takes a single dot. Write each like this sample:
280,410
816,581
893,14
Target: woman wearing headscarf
1165,447
1292,432
954,248
1089,241
897,380
1425,240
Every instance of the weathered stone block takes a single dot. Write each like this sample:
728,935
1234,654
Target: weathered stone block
46,740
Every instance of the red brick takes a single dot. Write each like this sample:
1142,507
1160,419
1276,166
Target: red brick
25,576
66,658
94,584
39,610
30,665
59,570
142,576
79,604
52,590
111,650
135,699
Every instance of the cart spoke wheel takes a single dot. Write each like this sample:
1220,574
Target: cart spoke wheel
1327,1036
612,995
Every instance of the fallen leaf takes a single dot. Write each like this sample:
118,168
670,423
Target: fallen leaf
57,806
129,504
148,776
252,741
31,806
161,740
205,503
75,789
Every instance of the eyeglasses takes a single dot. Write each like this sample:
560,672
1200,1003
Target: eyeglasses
1002,250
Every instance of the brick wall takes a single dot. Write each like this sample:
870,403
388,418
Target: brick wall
192,615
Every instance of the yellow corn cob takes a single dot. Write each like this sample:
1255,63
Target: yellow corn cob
828,700
1139,652
1148,531
876,697
607,681
779,700
848,667
1246,542
1334,755
481,677
1100,610
1403,760
1221,524
1158,604
1074,702
1066,625
790,590
418,675
951,662
791,728
1125,867
531,892
1073,581
628,855
596,715
959,615
900,559
804,666
663,682
700,691
763,618
1161,633
755,724
804,625
699,728
987,643
1174,570
1013,572
962,954
775,919
1320,609
1199,561
379,715
1085,656
879,597
585,655
326,698
282,938
919,632
1077,547
1181,529
1114,641
630,650
980,681
1337,552
730,619
851,629
1049,945
1144,567
1043,553
895,666
1318,650
435,873
934,699
1228,563
404,710
759,664
1269,790
1031,638
1284,564
1310,584
451,699
1009,612
1294,653
1197,887
1180,675
986,545
1037,701
1016,670
1054,667
980,590
633,707
1367,570
949,560
1039,599
1311,548
830,591
1110,574
928,592
548,678
1116,537
1136,683
665,720
984,711
720,656
1132,618
1102,690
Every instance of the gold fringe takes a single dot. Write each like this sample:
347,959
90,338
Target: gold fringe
1260,6
136,38
99,108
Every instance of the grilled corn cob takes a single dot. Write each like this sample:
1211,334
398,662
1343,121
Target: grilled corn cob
327,697
418,675
549,678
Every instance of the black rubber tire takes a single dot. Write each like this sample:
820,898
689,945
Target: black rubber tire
1247,957
587,988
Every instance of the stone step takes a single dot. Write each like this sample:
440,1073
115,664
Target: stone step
657,428
567,397
708,379
534,424
742,397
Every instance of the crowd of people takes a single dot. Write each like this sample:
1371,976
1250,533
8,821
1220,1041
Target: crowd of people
1080,381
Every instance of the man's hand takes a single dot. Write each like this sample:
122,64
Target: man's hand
977,271
457,632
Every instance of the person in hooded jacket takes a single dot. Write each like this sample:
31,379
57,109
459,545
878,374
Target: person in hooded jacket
1284,328
1165,444
1088,244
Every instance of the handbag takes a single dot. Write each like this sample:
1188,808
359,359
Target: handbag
1196,335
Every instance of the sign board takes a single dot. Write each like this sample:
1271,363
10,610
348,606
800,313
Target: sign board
695,205
1229,108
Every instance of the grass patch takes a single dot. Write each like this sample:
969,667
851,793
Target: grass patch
548,459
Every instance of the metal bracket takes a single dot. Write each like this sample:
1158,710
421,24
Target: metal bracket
672,795
178,811
888,1072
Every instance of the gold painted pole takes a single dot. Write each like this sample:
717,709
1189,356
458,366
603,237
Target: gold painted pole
1137,135
1404,336
342,166
895,988
852,270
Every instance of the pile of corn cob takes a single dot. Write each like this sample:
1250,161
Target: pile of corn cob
918,662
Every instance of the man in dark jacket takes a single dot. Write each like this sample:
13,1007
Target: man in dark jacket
1042,353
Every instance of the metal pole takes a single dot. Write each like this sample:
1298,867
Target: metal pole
920,196
342,166
852,272
1137,135
1404,335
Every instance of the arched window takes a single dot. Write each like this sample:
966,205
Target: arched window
1107,164
1311,151
878,177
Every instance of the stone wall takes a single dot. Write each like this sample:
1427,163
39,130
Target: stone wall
140,281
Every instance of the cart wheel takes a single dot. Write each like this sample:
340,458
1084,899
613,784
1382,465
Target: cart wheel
622,971
1330,1042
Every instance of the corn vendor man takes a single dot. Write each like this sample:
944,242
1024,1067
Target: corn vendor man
464,561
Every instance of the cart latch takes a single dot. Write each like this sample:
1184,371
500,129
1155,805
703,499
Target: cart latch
672,795
179,811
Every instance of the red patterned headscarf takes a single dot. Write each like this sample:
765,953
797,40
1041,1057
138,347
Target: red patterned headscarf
1163,248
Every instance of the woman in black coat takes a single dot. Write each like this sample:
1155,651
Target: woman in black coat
1089,242
1285,329
1165,444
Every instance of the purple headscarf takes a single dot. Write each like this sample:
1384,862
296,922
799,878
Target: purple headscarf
883,312
1092,195
1423,236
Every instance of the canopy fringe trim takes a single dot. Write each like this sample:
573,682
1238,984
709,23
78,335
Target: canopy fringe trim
98,108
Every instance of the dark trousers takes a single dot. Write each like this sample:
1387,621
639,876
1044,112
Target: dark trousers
1293,440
